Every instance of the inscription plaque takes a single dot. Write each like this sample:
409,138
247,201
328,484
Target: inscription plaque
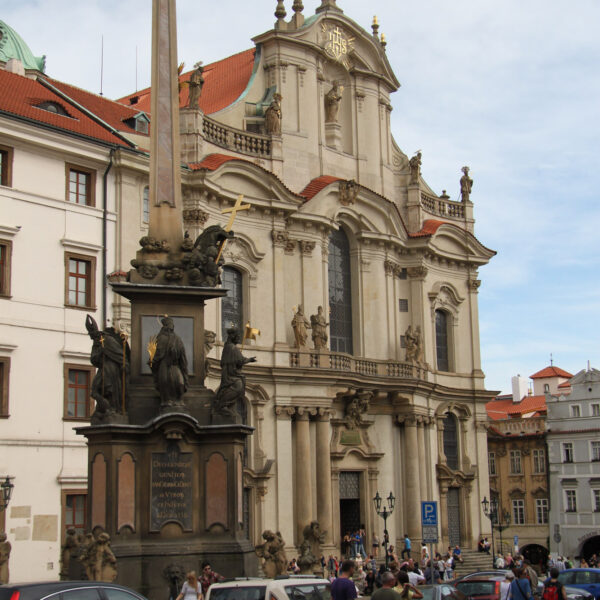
171,493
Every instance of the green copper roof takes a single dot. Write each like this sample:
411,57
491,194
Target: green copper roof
13,46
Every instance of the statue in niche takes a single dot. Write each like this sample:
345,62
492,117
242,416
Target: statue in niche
357,404
319,325
169,365
273,116
5,548
310,549
233,383
466,185
420,351
110,355
202,260
410,341
300,324
332,103
195,84
415,168
273,554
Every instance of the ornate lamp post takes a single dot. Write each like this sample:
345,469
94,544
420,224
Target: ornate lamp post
6,487
502,522
492,516
384,514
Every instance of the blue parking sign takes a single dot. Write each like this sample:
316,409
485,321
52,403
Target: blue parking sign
429,513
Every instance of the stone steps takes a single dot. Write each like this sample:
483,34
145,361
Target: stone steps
473,561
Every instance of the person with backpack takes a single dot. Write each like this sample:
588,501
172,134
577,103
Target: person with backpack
554,589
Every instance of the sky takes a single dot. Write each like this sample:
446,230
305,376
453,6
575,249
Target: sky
508,87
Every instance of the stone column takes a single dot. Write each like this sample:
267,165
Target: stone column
422,458
412,508
303,492
284,518
444,539
324,501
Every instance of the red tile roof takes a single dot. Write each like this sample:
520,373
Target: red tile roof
503,407
551,372
224,82
430,226
564,384
19,96
318,184
212,162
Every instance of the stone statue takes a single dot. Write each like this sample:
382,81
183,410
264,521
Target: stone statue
357,404
410,341
68,551
273,554
319,325
415,167
348,190
175,575
210,337
300,324
110,355
99,560
332,103
5,549
169,365
273,116
310,549
195,84
466,185
420,351
233,383
202,260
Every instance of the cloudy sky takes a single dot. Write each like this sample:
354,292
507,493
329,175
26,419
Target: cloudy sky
511,88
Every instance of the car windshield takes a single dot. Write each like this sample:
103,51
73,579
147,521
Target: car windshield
238,593
477,588
312,591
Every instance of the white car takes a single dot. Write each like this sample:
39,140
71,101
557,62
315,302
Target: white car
284,587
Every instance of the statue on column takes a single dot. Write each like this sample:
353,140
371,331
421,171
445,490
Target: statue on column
5,549
168,363
319,325
195,84
273,554
233,383
300,324
415,168
110,355
273,116
332,103
466,185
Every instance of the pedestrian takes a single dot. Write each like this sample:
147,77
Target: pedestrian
554,589
407,545
531,575
375,545
343,587
520,588
505,585
448,568
387,591
191,588
405,588
208,577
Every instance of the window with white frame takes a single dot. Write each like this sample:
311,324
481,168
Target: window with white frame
518,507
575,410
539,461
515,462
596,500
595,410
571,500
567,452
595,451
492,463
541,511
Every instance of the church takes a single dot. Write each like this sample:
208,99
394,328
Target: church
361,280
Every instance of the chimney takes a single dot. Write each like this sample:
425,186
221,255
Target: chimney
519,388
14,65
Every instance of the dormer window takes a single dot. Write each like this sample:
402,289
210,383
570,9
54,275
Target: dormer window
139,122
53,107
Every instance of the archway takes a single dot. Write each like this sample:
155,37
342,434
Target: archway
591,546
537,555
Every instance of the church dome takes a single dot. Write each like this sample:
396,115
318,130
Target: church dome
12,45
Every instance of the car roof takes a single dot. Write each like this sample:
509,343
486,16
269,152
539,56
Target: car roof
53,587
581,569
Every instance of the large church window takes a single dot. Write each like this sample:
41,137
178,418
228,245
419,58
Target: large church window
441,340
232,305
340,294
451,441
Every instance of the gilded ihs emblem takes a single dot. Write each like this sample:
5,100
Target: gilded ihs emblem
337,43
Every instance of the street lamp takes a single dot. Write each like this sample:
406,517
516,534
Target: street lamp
384,514
491,514
7,488
502,523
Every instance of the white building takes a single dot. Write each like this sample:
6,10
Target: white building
573,438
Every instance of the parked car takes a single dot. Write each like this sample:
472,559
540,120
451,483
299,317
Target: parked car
441,591
68,590
284,587
583,579
480,588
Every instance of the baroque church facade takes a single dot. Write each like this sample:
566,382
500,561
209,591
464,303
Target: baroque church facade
389,396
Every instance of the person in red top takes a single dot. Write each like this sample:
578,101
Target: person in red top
209,577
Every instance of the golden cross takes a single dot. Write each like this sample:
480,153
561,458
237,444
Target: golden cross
234,210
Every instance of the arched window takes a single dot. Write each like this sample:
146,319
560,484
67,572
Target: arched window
441,340
451,441
232,305
340,293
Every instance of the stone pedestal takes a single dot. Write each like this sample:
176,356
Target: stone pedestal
333,135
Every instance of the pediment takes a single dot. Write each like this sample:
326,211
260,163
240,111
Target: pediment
454,243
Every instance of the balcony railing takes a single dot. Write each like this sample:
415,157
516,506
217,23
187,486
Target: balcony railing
335,361
442,207
236,140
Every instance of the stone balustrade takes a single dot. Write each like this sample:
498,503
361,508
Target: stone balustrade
442,207
336,361
237,140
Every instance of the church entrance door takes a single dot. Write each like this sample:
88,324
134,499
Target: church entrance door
454,516
349,502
